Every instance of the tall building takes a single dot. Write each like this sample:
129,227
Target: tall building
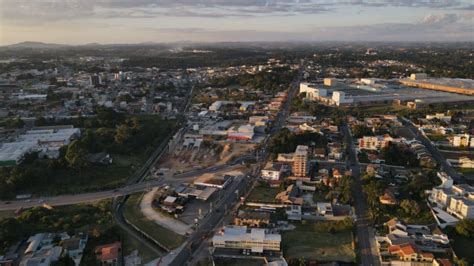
300,161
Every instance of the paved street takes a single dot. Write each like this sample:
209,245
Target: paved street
365,233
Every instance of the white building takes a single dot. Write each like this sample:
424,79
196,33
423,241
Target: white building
340,98
458,200
462,207
239,237
273,171
47,141
312,92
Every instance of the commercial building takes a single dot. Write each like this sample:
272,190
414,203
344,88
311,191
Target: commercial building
240,237
300,161
273,171
213,180
459,86
46,140
367,92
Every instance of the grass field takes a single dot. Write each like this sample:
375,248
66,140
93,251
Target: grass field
263,194
132,213
305,242
130,244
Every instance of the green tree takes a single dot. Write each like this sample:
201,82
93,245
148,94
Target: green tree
410,207
465,228
122,134
76,155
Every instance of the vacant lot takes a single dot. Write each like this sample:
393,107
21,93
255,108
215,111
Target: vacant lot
263,194
313,245
132,213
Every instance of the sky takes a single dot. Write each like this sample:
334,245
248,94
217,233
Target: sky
137,21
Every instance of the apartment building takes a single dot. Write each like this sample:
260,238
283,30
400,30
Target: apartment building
300,161
463,140
375,142
462,207
458,200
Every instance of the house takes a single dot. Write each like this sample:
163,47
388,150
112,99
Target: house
252,218
410,252
324,209
293,212
289,196
109,254
388,198
74,247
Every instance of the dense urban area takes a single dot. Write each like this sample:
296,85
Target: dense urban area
237,154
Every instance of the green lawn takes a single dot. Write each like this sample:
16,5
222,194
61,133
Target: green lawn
130,244
263,194
305,242
132,213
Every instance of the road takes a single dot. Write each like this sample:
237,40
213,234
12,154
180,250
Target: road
445,166
365,233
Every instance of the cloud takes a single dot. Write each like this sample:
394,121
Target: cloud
24,11
433,27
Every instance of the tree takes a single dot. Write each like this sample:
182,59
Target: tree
410,207
465,228
361,130
123,133
76,155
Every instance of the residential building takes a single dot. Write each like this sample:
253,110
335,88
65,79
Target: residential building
410,252
300,161
252,218
375,142
463,140
109,254
462,207
240,237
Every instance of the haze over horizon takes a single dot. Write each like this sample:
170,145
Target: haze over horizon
162,21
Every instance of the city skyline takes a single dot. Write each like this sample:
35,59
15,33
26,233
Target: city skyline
108,21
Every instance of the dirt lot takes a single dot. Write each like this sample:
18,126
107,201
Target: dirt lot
211,153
